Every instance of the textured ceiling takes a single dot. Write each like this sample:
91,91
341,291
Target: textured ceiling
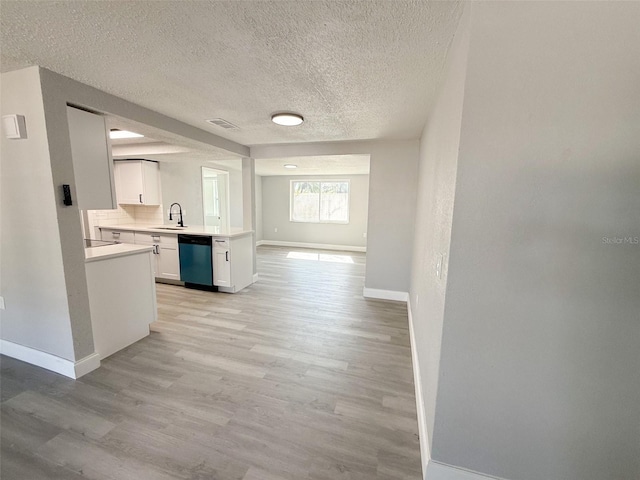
354,69
315,165
174,148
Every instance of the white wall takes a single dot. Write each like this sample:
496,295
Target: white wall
182,182
538,375
276,203
392,200
32,282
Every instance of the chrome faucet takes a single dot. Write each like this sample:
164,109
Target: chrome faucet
180,222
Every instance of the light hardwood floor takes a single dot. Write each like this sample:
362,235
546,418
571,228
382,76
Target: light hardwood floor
296,377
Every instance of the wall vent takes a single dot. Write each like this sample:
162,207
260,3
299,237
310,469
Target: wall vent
219,122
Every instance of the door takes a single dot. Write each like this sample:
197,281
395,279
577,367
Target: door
215,201
129,182
91,158
221,264
168,263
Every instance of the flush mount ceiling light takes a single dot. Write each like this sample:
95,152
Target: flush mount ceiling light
287,119
117,133
290,165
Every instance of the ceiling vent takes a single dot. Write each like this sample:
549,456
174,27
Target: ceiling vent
219,122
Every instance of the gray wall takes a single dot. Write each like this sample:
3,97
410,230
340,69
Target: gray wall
275,207
538,377
32,282
182,182
393,180
392,201
434,215
259,233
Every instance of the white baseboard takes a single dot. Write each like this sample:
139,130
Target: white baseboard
423,433
45,360
319,246
442,471
86,365
385,294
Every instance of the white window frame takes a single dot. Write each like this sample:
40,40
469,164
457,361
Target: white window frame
320,221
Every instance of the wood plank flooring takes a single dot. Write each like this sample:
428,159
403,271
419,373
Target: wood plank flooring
296,377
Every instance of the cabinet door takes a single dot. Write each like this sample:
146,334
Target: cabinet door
168,263
143,238
91,158
150,183
129,182
221,267
137,182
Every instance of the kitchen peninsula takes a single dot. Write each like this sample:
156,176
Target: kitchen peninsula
231,255
122,295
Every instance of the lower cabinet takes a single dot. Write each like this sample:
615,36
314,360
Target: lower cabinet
232,256
165,250
221,263
232,263
168,263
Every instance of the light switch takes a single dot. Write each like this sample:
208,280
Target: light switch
440,264
1,303
14,126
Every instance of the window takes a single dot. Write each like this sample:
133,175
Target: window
320,201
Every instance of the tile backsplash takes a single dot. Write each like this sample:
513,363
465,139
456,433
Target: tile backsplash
125,214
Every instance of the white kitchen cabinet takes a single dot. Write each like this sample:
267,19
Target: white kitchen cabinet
91,158
221,263
168,263
137,182
122,298
115,235
165,250
232,263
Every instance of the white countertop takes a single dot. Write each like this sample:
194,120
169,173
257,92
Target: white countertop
189,230
92,254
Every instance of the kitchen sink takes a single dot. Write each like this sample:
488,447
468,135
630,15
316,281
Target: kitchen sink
170,228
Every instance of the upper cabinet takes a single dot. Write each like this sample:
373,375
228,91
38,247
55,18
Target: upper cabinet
137,182
91,158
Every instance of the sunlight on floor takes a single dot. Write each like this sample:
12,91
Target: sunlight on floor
320,257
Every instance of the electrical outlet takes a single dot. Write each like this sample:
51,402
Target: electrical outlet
1,303
364,235
275,230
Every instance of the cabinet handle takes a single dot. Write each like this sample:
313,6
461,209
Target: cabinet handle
226,255
140,198
115,234
157,249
